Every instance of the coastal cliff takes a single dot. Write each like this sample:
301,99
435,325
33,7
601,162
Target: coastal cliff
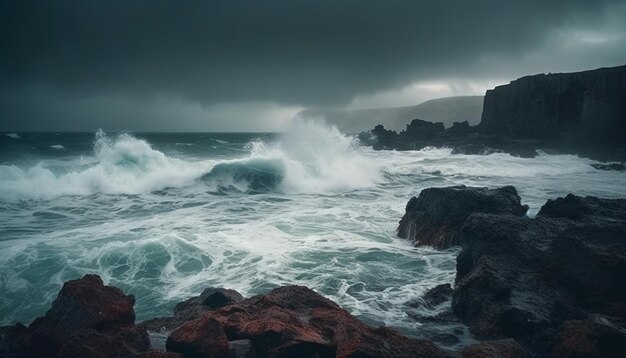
581,113
588,106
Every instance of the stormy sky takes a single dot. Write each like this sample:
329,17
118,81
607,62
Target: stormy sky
155,65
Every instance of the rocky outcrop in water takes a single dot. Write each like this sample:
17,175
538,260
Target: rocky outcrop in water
579,113
89,319
436,217
554,283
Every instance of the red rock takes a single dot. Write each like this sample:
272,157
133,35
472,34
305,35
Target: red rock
294,321
202,337
88,319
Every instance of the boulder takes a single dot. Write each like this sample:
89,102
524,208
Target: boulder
193,308
436,217
88,319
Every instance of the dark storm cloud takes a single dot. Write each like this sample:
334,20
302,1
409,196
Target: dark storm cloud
298,53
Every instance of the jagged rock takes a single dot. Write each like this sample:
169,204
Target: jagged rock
584,106
436,217
294,321
580,113
419,129
88,319
522,278
193,308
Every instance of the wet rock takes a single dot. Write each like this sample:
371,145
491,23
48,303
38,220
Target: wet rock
88,319
193,308
436,217
522,278
203,337
433,297
420,129
294,321
581,107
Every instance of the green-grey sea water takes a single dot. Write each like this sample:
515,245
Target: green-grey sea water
163,216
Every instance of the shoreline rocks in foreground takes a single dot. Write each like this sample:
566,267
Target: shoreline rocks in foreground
547,286
89,319
553,283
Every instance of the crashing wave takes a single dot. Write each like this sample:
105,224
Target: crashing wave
250,176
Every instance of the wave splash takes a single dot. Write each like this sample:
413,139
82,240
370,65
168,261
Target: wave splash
124,165
310,157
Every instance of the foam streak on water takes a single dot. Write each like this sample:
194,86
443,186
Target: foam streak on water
164,216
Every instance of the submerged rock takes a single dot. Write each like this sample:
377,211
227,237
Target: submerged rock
436,217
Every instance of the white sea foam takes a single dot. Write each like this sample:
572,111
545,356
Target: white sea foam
319,159
13,135
57,146
123,165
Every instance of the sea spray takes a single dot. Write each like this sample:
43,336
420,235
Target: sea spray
310,157
123,165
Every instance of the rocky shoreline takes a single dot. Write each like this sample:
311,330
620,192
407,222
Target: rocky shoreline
545,286
579,113
553,283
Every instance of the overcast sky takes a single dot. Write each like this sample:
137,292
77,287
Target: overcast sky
153,65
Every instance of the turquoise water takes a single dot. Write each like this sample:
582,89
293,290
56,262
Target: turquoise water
163,216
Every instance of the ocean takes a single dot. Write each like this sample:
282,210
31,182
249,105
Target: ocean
164,215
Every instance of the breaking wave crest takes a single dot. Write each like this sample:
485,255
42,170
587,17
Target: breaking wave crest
309,158
123,165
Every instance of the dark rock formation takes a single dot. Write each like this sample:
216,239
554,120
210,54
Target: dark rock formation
436,217
579,113
89,319
584,106
554,283
193,308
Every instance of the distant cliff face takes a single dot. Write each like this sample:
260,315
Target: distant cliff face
588,106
